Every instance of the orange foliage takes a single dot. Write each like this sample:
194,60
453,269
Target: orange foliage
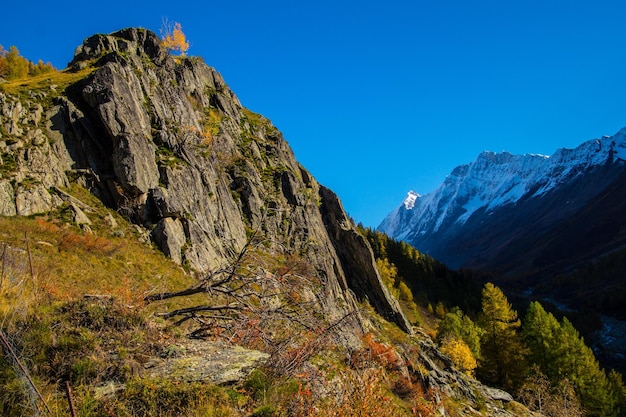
354,394
377,352
174,38
460,354
99,245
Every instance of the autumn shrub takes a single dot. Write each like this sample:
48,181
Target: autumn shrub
374,352
173,38
69,241
460,354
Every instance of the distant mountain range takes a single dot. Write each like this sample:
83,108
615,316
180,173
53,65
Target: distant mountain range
530,220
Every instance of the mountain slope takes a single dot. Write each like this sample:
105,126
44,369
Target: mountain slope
165,142
132,149
502,203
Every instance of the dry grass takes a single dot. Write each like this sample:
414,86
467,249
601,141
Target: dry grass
90,341
54,82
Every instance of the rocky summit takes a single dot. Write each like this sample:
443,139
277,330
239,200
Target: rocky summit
170,146
130,142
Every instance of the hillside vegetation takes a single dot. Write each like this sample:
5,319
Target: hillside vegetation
163,253
74,313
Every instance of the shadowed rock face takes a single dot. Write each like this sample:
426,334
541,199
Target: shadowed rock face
164,141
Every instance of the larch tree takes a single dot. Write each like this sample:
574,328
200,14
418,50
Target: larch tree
17,65
455,324
578,364
502,349
541,331
173,38
562,355
460,354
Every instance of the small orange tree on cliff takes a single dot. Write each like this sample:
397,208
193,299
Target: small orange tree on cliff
173,38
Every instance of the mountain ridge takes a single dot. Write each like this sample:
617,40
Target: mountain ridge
498,180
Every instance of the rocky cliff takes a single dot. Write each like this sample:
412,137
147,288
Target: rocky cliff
166,143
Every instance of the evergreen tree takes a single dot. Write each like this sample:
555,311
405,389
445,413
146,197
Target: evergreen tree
579,365
541,331
562,355
618,391
502,349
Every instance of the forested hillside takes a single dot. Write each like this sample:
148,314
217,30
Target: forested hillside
544,360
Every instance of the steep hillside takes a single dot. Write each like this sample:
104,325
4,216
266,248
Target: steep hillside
132,149
525,218
168,145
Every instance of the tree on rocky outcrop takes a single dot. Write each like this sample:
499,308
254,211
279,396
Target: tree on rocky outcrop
173,38
502,348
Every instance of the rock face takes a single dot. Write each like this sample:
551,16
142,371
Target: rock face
165,142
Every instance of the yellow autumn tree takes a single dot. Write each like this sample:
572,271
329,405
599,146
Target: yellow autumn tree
173,38
460,354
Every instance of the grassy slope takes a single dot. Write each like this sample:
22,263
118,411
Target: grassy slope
61,335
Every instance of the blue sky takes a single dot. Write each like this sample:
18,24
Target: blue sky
378,98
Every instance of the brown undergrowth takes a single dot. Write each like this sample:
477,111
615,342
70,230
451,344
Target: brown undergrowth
73,309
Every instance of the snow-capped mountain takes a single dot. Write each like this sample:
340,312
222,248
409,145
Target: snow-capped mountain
484,209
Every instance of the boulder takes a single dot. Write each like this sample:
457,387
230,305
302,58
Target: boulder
169,235
197,360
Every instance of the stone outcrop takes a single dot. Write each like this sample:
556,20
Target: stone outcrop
166,143
199,360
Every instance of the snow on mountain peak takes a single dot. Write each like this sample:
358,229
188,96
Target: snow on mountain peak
496,179
409,201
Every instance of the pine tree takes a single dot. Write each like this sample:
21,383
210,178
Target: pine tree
502,349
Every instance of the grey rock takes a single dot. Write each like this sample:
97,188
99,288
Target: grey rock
32,200
133,131
110,221
356,253
7,199
80,217
498,394
218,363
169,235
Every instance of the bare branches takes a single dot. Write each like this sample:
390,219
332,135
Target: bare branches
261,300
244,288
